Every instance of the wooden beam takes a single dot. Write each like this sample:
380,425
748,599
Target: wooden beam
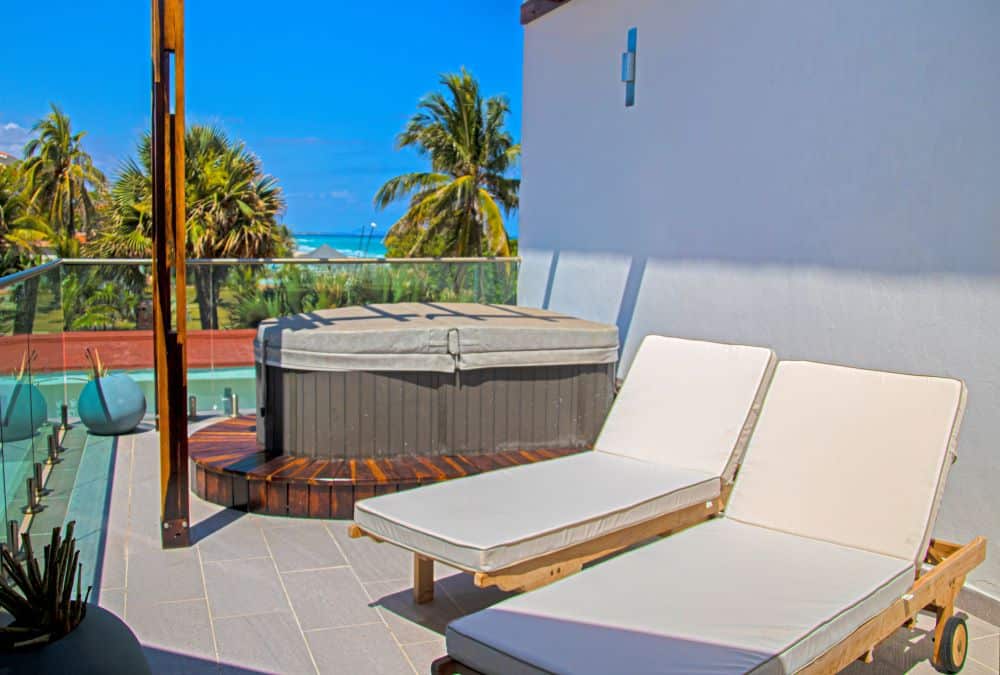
169,270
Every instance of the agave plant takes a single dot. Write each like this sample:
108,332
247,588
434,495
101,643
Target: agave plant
42,601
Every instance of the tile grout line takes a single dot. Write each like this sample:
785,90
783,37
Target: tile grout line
453,600
424,642
208,605
288,599
378,610
128,523
229,560
347,625
980,663
315,569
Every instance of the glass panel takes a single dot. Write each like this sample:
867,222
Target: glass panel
23,407
107,318
89,311
48,372
60,325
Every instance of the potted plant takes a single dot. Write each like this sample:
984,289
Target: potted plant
23,409
110,404
54,630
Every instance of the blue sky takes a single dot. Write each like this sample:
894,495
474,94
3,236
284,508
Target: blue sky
317,88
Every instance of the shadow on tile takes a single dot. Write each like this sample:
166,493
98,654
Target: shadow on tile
163,661
409,621
904,650
214,523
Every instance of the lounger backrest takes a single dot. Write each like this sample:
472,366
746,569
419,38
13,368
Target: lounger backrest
850,456
688,403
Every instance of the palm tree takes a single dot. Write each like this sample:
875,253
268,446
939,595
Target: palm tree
22,232
460,198
61,176
22,236
232,210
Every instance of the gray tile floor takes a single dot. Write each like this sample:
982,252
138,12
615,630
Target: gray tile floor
260,594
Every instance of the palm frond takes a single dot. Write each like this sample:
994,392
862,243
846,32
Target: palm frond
470,151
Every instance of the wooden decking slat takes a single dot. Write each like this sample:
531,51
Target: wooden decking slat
231,468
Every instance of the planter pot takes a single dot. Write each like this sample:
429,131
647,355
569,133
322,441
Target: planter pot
111,405
22,412
101,644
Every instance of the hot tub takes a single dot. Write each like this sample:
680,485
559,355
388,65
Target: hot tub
431,379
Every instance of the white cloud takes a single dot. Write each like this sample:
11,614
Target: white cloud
13,137
336,195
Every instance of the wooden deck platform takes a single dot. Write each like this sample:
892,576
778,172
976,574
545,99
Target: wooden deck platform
230,469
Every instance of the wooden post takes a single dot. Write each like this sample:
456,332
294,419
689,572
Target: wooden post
423,579
169,273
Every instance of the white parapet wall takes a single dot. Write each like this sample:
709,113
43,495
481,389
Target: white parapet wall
819,177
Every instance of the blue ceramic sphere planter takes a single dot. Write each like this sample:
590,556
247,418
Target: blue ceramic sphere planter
111,405
22,412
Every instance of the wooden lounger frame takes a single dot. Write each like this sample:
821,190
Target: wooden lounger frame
934,590
536,572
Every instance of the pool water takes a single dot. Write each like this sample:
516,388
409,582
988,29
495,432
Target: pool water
209,385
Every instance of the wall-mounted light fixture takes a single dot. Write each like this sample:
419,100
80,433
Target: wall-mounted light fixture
628,69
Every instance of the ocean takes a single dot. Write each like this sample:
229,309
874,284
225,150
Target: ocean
350,245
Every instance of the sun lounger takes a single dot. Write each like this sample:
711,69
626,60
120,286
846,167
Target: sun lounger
664,460
815,561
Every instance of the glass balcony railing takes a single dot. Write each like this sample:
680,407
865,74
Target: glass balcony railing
56,319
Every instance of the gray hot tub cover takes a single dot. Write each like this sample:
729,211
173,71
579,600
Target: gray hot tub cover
436,337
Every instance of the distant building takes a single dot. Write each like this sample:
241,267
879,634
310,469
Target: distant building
7,159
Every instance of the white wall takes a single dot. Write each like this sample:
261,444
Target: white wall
821,177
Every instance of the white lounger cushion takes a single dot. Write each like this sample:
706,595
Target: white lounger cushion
679,424
493,520
855,457
722,597
688,403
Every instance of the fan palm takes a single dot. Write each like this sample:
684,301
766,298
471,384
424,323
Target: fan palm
61,176
232,210
460,199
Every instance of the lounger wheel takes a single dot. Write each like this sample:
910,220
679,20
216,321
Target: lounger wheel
954,645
